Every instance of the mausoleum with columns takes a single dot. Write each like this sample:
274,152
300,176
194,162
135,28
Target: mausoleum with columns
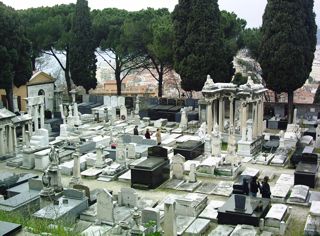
245,106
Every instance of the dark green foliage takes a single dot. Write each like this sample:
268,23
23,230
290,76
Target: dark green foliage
153,41
199,49
15,63
251,39
116,37
239,79
287,45
82,48
49,30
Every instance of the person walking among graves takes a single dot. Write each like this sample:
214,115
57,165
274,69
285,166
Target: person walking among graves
158,136
147,134
254,186
135,130
265,188
245,187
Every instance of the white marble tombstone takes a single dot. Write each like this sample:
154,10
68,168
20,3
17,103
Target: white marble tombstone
151,214
184,119
121,154
127,197
170,225
192,173
121,101
131,150
100,163
123,112
113,113
177,166
114,101
105,207
107,101
249,130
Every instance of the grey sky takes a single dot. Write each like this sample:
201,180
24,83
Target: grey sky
250,10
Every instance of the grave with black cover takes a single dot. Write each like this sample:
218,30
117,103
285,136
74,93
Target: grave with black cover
190,149
242,209
153,171
307,169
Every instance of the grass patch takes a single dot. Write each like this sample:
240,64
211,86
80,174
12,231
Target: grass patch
38,226
295,228
317,150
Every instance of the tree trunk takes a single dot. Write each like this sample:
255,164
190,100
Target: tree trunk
33,61
275,97
67,71
290,107
117,74
9,96
160,83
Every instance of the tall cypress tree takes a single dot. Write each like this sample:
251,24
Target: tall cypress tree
15,53
198,44
82,48
287,45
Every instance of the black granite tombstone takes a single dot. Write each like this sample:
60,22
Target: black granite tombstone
153,171
190,149
306,174
241,209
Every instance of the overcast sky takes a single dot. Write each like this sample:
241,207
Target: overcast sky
250,10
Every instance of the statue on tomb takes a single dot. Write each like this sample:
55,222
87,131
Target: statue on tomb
216,141
232,142
201,132
46,180
54,156
209,83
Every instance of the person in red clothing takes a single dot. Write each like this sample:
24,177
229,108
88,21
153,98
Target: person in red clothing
147,134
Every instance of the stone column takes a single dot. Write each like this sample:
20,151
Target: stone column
36,119
76,113
221,114
10,138
243,121
23,134
15,143
2,147
255,120
169,226
30,127
294,120
76,177
62,113
249,134
260,118
41,116
209,117
215,118
231,116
